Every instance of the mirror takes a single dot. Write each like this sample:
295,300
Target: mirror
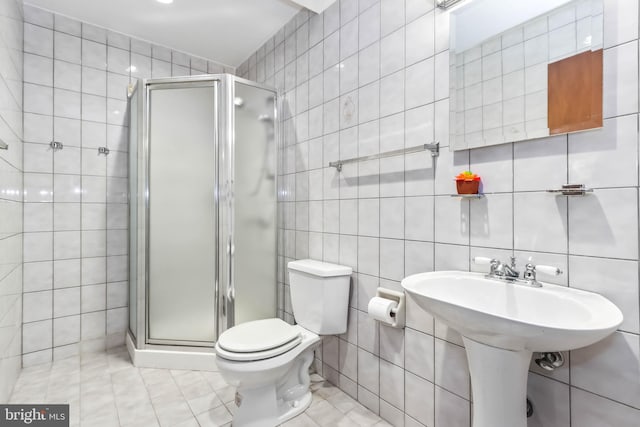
522,69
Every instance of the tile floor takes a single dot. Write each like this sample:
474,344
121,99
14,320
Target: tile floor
105,390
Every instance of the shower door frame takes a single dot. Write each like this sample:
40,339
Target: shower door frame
224,89
167,84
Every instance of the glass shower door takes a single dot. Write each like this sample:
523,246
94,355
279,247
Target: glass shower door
255,203
182,213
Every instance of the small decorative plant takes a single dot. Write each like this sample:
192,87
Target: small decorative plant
467,182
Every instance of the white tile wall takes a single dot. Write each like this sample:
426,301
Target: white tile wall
11,206
76,212
394,217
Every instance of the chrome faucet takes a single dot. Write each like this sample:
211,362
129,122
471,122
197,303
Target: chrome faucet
504,271
509,272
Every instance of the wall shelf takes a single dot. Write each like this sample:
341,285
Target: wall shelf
468,196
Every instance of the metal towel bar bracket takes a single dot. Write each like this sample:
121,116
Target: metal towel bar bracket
572,190
446,4
433,147
3,145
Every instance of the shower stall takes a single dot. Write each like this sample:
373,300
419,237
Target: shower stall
203,213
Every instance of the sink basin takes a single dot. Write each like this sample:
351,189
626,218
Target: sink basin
514,316
501,324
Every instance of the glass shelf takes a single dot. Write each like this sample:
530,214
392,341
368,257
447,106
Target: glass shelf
469,196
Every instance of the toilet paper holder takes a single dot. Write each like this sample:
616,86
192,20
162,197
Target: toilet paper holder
399,313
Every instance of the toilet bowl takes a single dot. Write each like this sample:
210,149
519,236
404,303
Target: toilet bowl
268,360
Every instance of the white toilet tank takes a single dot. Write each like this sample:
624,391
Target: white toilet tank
320,295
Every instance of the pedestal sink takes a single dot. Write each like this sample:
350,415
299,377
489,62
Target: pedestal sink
502,323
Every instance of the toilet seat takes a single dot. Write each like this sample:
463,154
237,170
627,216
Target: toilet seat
258,340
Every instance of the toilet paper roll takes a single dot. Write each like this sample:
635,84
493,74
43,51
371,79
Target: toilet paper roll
380,309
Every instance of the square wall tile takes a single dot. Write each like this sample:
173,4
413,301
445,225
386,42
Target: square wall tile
66,302
605,224
606,368
451,410
392,377
37,306
94,54
551,400
68,48
93,325
38,217
348,360
451,368
392,15
418,218
491,221
605,157
67,75
368,333
392,217
38,40
369,371
67,25
392,48
620,80
419,352
541,164
589,409
420,39
37,276
620,22
419,257
419,403
535,232
369,255
391,259
66,330
38,70
614,279
451,257
495,165
66,273
37,336
392,343
451,220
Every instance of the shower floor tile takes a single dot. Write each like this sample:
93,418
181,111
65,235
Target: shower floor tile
105,389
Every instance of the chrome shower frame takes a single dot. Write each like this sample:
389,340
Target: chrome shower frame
175,354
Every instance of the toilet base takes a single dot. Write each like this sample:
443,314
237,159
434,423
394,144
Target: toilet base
289,409
257,410
281,398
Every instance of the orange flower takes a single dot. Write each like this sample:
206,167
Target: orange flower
467,176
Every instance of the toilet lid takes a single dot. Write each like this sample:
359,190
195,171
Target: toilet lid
258,336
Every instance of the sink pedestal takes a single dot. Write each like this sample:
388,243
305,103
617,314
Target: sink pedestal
499,385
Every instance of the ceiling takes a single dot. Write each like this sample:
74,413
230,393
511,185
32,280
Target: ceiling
226,31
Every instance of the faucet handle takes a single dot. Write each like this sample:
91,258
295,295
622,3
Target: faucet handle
482,260
531,270
548,269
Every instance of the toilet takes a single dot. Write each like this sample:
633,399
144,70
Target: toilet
268,360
